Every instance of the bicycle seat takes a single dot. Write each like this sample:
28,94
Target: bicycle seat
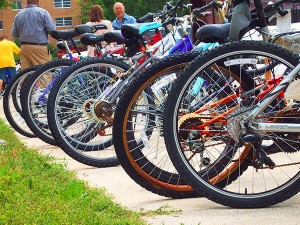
216,33
63,34
130,31
91,39
84,28
114,36
213,33
61,45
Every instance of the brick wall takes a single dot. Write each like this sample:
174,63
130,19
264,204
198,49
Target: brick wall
7,16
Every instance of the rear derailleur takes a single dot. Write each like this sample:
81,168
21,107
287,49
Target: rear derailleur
260,157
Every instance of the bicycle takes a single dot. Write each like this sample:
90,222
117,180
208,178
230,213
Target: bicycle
100,124
141,153
175,188
246,128
37,86
143,160
12,105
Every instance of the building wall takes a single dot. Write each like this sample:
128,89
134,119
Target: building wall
7,16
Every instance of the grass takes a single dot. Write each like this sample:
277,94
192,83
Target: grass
163,210
36,190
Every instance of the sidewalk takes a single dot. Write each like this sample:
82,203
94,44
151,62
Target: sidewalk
193,211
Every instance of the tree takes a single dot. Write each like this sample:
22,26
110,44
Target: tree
5,3
135,8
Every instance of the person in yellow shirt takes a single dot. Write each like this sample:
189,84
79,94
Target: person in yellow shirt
7,60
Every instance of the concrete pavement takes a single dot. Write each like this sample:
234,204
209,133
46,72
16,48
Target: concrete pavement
193,211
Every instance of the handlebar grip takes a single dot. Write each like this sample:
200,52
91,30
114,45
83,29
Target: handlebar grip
147,18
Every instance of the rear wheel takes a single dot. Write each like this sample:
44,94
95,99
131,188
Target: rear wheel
34,97
201,127
137,133
81,124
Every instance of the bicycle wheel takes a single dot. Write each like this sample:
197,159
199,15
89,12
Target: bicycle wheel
137,132
11,103
206,130
81,124
34,95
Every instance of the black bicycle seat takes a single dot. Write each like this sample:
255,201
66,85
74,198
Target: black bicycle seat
91,39
213,33
84,28
63,34
114,36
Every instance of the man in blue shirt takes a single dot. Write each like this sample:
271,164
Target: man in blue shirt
32,25
122,17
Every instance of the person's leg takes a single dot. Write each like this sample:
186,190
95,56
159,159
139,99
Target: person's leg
41,55
25,57
12,71
1,84
38,54
2,77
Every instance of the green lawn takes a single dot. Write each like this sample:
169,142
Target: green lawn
35,190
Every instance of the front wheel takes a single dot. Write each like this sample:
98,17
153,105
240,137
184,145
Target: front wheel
205,127
12,105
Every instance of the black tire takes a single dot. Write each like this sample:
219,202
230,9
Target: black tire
34,106
142,162
260,185
11,103
87,139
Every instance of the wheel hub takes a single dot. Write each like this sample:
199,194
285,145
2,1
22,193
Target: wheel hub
103,111
235,121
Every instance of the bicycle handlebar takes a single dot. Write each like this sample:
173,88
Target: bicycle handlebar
147,17
274,5
168,10
198,11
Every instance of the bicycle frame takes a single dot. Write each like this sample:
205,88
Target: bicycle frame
148,56
267,86
279,127
8,75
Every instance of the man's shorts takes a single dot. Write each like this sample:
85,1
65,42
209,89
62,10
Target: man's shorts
3,72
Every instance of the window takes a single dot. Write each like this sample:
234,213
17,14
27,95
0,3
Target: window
62,22
1,25
62,3
16,5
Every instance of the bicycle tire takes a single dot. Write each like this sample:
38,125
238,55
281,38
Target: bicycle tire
35,85
95,73
12,106
258,186
135,155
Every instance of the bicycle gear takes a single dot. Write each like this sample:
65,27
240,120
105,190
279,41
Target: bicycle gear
234,122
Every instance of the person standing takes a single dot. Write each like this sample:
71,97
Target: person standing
96,16
7,59
32,25
122,17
